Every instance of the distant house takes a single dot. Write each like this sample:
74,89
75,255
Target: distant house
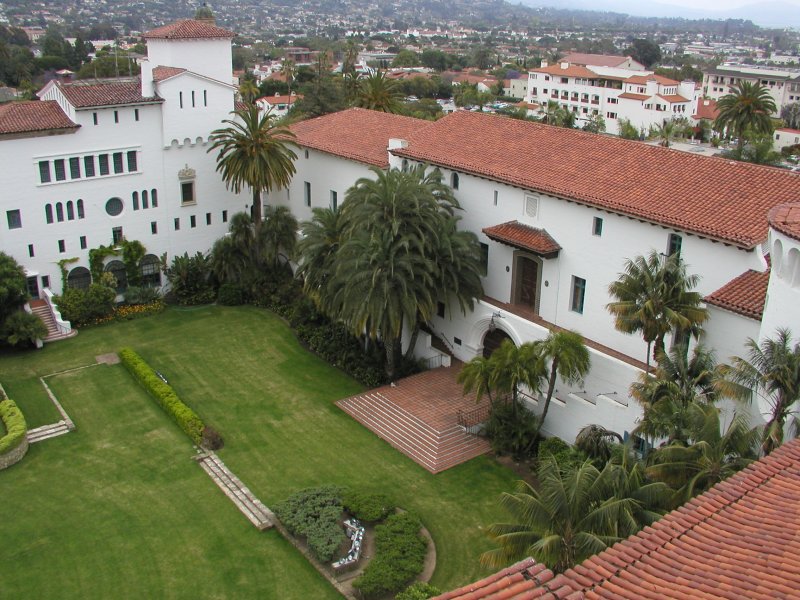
785,137
279,104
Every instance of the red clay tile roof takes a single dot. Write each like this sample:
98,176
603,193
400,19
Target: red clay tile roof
651,77
707,109
161,73
570,71
717,198
282,99
744,295
633,96
188,29
786,219
85,94
357,133
27,117
737,540
673,98
524,237
594,60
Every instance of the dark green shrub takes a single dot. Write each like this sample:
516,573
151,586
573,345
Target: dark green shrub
14,422
556,448
316,514
141,295
212,440
367,507
83,306
184,416
23,329
230,294
512,430
190,278
418,591
399,556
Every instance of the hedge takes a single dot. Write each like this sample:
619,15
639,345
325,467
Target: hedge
14,422
184,416
315,513
367,507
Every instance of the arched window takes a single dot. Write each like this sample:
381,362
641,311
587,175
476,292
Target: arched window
405,165
135,200
59,212
154,198
79,278
70,211
81,214
48,213
150,268
454,181
117,269
145,203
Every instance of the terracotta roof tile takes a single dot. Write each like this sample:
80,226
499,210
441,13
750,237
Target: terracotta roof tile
632,96
717,198
744,295
281,99
188,29
85,94
525,579
570,71
358,134
707,109
595,60
673,98
524,237
32,116
786,219
160,73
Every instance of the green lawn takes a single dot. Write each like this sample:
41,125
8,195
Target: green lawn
118,509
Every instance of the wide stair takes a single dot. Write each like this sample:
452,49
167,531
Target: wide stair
434,450
41,309
45,432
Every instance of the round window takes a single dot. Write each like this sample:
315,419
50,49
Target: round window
114,207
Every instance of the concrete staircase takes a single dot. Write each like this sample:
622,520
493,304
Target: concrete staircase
45,432
41,309
434,450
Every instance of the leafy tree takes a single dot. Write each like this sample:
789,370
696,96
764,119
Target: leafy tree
13,286
406,58
108,66
748,107
757,150
569,360
189,277
378,92
23,329
790,113
595,124
644,51
627,130
771,370
322,92
254,151
434,59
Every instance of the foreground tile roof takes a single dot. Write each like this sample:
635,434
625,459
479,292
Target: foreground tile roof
786,219
188,29
716,198
524,237
738,540
86,94
358,134
744,295
28,117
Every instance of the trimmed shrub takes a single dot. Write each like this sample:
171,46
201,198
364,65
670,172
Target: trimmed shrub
512,430
399,556
14,422
564,454
367,507
230,294
212,440
23,329
141,295
84,306
316,514
184,416
418,591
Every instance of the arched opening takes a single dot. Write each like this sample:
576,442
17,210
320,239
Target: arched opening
777,257
79,278
454,181
492,341
150,268
793,268
117,269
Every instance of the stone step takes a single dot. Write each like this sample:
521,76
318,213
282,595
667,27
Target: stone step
46,432
391,413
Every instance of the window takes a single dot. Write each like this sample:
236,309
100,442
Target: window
153,227
135,114
61,173
74,168
440,308
14,219
454,181
224,216
150,268
103,161
180,99
484,259
44,171
208,218
118,168
307,192
597,226
578,294
192,98
30,250
531,206
495,197
116,116
116,235
205,97
70,211
306,153
187,192
88,166
62,247
404,167
334,200
176,224
94,118
114,207
135,200
132,166
674,244
45,281
611,115
83,242
145,201
59,212
48,213
192,221
81,214
154,198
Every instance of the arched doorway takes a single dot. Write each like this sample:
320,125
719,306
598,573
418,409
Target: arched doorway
492,341
150,269
117,269
79,278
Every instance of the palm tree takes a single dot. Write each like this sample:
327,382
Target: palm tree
569,360
278,232
748,107
665,133
289,70
654,296
772,370
248,90
516,367
253,151
476,375
378,92
595,441
322,238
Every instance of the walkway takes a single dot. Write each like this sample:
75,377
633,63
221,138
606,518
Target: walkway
419,416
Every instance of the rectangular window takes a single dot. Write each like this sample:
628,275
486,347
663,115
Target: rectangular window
484,259
103,162
177,224
154,198
205,98
192,98
116,235
116,116
45,281
62,247
187,192
578,294
14,219
180,99
153,227
495,197
88,166
224,216
192,221
132,162
81,213
61,171
30,250
674,244
83,242
135,114
597,226
118,166
440,309
74,168
334,200
208,218
44,171
94,118
307,192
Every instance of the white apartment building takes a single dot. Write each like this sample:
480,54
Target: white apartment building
782,84
557,213
642,97
278,105
93,162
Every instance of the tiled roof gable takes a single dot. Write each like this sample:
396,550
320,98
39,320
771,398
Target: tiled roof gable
744,295
86,94
786,219
524,237
160,73
33,116
188,29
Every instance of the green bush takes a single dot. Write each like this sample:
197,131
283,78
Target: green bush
141,295
230,294
14,422
512,430
184,416
23,329
83,306
564,454
399,556
367,507
316,514
418,591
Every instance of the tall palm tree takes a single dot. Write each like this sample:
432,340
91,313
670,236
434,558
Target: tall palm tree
322,238
248,90
654,296
749,107
771,369
277,235
568,358
595,441
378,92
476,375
515,367
255,152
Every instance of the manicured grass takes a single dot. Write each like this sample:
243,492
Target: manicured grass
242,370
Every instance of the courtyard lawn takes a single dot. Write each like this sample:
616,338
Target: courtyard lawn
243,371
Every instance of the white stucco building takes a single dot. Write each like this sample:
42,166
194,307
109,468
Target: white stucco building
783,85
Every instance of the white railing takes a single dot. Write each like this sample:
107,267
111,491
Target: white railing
64,327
